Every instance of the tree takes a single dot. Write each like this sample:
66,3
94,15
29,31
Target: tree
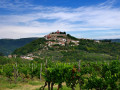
1,54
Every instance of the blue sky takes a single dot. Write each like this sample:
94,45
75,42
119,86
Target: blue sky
93,19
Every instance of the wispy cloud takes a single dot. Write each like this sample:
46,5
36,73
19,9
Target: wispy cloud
41,19
16,5
107,3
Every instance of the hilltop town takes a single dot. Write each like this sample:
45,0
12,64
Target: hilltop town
60,38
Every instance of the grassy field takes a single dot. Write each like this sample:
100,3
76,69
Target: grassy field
34,84
27,85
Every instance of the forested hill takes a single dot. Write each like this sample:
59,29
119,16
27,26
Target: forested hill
33,46
112,40
115,40
86,50
7,46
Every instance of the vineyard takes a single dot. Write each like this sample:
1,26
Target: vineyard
86,75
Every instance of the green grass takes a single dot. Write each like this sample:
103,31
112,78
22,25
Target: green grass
11,86
5,84
36,83
63,88
27,85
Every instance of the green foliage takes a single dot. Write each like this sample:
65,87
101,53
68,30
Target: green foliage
86,50
5,60
75,55
102,47
71,77
1,54
95,82
71,37
31,47
111,74
8,70
7,46
100,78
62,32
89,75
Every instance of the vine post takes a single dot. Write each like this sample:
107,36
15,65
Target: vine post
2,68
40,72
15,73
79,72
16,70
96,62
32,67
46,73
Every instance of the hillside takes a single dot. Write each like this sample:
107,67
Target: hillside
112,40
70,49
7,46
51,41
31,47
115,40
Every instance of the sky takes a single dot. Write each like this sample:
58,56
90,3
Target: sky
92,19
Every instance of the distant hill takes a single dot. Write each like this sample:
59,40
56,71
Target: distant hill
7,46
33,46
111,40
115,40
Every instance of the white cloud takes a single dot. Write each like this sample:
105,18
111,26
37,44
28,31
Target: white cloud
15,4
46,19
108,3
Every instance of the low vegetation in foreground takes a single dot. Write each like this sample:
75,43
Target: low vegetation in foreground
51,75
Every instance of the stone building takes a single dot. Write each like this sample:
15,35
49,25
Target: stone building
55,35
